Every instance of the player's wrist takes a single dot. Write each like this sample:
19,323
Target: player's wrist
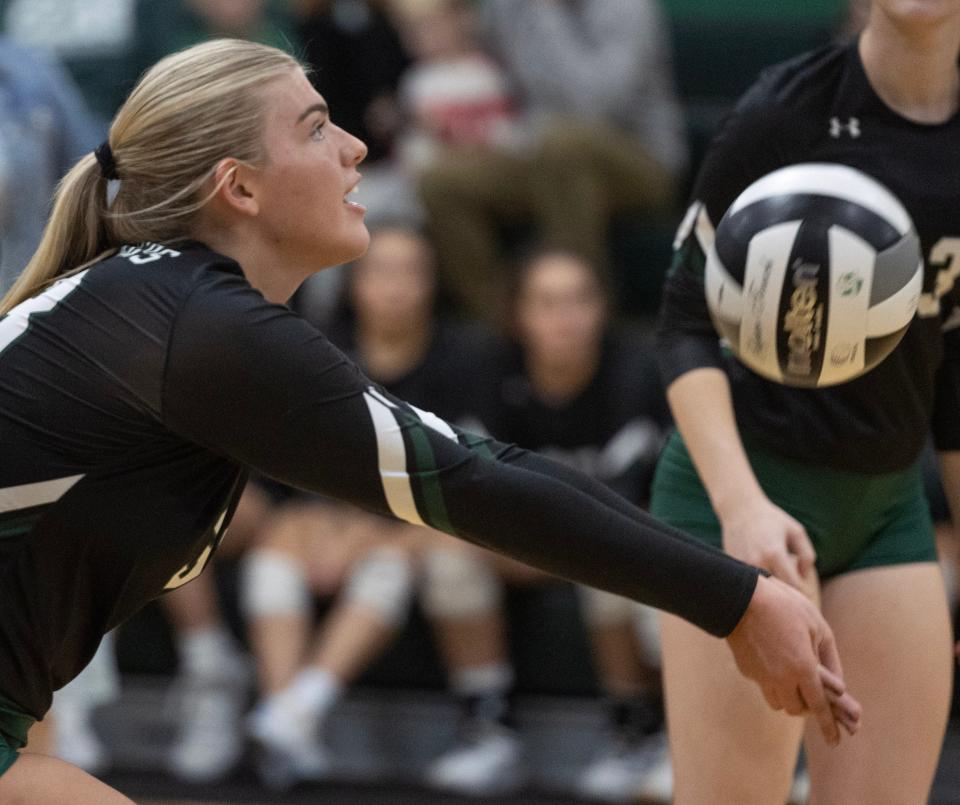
734,502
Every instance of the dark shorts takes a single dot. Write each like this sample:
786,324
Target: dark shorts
855,520
14,725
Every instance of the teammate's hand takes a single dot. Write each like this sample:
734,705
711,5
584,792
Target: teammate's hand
785,646
764,535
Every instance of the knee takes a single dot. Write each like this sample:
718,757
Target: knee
273,583
383,582
458,584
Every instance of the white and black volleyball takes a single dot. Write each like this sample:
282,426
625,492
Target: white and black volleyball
814,275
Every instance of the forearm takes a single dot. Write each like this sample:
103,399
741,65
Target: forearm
703,410
558,520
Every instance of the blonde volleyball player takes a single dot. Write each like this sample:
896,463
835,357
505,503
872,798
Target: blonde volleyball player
147,363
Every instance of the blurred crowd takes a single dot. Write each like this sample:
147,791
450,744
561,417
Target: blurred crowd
523,157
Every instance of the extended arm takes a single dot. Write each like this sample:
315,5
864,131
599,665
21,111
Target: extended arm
255,382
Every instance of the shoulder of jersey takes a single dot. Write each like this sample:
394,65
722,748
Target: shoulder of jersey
806,80
176,264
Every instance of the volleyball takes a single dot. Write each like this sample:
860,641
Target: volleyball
814,275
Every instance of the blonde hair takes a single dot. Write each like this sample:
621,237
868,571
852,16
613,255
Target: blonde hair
188,112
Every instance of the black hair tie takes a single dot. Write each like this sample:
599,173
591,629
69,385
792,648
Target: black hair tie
108,166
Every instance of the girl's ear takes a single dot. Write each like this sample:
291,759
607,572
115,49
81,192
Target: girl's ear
235,187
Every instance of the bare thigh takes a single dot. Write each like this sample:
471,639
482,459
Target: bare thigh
41,780
893,632
728,746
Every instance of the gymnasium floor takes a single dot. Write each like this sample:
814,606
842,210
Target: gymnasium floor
154,789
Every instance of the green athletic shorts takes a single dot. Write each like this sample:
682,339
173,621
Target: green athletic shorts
14,725
855,520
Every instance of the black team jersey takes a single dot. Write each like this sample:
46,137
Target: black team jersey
612,429
135,396
821,108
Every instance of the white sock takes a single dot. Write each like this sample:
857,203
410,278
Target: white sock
492,679
206,651
314,690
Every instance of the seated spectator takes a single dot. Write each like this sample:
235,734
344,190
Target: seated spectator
453,95
589,397
366,564
44,129
605,136
165,26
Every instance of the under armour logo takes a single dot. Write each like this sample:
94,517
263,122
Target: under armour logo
852,127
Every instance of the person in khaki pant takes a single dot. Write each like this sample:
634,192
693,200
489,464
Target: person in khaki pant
602,134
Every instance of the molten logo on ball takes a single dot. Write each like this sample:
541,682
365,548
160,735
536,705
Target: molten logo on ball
804,320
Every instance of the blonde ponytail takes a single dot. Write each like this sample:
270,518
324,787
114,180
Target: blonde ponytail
188,112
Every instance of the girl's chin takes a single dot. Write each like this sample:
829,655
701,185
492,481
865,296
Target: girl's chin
353,248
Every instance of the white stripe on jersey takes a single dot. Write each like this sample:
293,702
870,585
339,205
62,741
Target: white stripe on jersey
433,421
15,323
392,458
26,496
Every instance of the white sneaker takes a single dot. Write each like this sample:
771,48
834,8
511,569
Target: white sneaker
210,741
290,751
488,762
625,771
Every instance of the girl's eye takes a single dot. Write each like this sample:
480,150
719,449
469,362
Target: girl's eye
317,133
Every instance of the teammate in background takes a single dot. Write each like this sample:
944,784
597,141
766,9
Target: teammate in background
139,388
367,563
822,487
589,396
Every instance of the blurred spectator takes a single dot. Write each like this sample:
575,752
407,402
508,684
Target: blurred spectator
358,57
165,26
95,39
366,563
589,397
605,136
44,129
453,95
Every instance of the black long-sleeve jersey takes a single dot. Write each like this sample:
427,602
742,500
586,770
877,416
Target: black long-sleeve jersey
612,430
135,395
821,108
